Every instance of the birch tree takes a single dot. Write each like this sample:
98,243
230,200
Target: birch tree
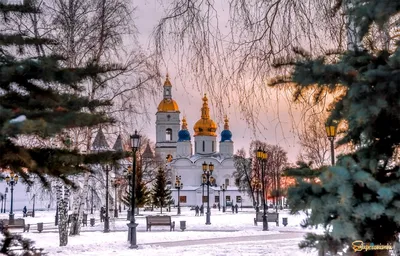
63,194
315,146
78,206
276,162
243,174
314,142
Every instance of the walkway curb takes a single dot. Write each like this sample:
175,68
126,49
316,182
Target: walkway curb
220,240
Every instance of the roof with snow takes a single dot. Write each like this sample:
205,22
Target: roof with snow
217,156
100,142
194,158
148,153
118,144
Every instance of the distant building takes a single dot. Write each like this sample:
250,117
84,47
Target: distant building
187,160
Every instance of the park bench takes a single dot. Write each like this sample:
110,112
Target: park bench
159,221
29,214
148,209
17,250
18,223
272,217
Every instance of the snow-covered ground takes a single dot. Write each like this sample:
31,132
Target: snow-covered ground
229,234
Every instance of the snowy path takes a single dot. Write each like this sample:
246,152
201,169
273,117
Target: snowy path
229,234
209,241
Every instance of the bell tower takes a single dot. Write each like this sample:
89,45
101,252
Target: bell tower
167,123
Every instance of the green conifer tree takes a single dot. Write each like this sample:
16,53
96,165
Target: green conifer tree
142,194
359,197
161,194
39,97
10,242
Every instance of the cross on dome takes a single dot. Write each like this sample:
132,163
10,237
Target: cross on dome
226,125
184,123
167,82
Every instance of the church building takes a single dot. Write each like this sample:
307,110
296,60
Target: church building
174,142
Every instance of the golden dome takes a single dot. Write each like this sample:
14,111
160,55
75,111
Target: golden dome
205,126
168,105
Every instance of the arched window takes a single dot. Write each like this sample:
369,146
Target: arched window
204,146
168,134
213,146
226,182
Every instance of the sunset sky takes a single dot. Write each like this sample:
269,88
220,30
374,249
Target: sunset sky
275,125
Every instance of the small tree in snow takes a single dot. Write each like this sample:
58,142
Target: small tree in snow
142,195
161,194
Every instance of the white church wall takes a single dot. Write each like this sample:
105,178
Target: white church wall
210,144
183,149
190,195
226,148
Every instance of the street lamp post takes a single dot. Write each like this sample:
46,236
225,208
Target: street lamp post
203,183
208,172
178,186
33,207
12,180
2,201
116,183
331,133
223,188
135,141
171,201
219,200
262,157
107,217
5,200
91,207
129,171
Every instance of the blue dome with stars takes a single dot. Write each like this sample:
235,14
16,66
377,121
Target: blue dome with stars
184,135
226,134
